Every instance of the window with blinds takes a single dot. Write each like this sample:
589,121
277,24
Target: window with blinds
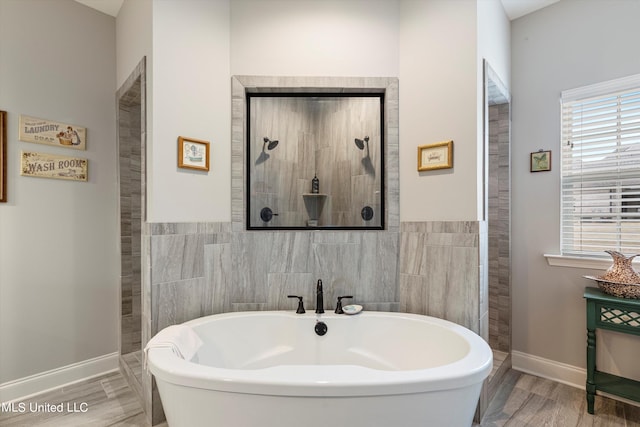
600,184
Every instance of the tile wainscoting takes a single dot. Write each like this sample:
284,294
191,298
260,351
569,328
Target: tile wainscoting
197,269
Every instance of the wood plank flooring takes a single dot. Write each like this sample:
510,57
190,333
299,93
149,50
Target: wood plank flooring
526,400
109,403
522,400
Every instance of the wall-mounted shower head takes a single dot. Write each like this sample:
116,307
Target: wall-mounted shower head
360,143
269,144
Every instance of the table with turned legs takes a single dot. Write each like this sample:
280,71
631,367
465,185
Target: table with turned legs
615,314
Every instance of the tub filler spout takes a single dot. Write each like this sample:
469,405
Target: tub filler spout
319,298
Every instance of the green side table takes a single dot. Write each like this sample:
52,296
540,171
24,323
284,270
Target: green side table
615,314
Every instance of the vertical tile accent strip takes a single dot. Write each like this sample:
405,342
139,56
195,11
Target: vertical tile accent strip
131,146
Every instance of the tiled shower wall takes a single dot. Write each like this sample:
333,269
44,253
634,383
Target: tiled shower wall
129,134
499,229
317,137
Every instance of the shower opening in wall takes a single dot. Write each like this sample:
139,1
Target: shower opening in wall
315,178
130,116
498,219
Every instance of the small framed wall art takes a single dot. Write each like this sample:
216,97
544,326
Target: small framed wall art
193,154
3,156
541,161
435,156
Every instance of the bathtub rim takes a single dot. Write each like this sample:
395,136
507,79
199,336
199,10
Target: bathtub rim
327,380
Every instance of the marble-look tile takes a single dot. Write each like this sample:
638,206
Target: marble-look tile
289,252
412,248
176,302
176,257
413,295
283,284
218,278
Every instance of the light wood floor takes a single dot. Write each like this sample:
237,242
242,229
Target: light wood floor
522,400
526,400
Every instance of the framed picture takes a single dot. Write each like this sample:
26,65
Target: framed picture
3,156
193,154
435,156
541,161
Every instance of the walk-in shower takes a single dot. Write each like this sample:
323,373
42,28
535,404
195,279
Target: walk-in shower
314,178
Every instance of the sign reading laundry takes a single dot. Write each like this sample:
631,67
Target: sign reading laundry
48,132
53,166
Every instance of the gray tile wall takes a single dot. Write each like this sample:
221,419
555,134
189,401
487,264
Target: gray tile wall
499,229
135,313
129,134
429,268
439,270
201,269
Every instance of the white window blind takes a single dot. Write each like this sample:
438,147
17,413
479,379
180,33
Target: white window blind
600,192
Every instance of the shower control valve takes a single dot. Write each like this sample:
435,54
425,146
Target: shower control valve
300,309
339,304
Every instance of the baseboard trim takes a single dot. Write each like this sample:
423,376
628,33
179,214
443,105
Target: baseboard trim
39,383
556,371
549,369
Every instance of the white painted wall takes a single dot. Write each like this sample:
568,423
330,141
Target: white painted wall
314,38
494,39
58,258
438,102
432,46
191,97
566,45
494,46
133,38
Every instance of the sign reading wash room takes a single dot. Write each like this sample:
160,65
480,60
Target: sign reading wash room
45,165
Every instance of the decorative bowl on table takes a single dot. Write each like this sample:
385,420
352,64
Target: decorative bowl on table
620,280
622,290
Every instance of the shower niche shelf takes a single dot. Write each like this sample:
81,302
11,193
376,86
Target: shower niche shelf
313,203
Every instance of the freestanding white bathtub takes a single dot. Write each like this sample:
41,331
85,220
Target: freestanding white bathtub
268,369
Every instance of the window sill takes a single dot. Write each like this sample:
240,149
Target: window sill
581,262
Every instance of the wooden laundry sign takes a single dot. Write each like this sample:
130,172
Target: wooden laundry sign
48,132
45,165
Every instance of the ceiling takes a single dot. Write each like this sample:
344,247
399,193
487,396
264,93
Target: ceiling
110,7
517,8
514,8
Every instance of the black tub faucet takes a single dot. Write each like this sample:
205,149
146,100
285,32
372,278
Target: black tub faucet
300,309
319,298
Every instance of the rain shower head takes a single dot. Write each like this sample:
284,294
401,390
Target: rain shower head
360,143
269,144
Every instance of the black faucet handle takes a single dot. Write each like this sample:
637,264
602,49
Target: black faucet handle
339,304
300,309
